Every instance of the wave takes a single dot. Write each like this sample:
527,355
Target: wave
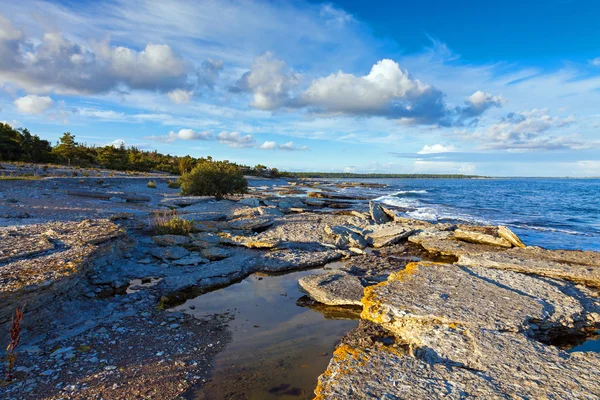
550,229
409,192
397,202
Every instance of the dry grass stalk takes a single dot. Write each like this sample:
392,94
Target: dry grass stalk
15,338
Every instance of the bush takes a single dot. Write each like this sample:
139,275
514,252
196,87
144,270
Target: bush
152,184
173,184
169,223
213,178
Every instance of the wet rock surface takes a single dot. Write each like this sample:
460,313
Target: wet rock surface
333,288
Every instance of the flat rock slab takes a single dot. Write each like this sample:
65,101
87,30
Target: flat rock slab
481,238
171,240
574,266
387,234
517,368
333,288
169,253
429,293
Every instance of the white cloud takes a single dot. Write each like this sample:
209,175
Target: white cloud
268,145
437,148
183,134
57,64
528,131
289,146
33,104
595,62
190,134
117,143
180,96
386,90
478,103
236,140
269,82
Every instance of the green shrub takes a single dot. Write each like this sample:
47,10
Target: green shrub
213,178
86,174
169,223
74,174
152,184
173,184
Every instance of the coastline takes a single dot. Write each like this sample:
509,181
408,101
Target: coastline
73,317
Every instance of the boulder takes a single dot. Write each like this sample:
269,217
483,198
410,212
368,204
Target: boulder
333,288
377,213
481,238
510,236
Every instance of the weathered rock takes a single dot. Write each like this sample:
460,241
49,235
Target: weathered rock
510,236
346,236
448,294
215,253
169,253
468,330
171,240
387,234
481,238
192,259
515,367
250,202
443,242
286,259
562,265
254,243
377,213
251,224
333,288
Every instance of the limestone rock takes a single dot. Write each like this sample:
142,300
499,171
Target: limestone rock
333,288
252,224
510,236
346,236
387,234
169,253
215,253
250,202
481,238
539,262
192,259
171,240
377,213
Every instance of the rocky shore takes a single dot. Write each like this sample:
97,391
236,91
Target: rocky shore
447,310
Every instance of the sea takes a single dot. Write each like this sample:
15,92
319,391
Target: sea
557,213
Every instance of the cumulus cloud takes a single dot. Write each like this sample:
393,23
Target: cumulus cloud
236,140
267,145
33,104
289,146
437,148
527,131
180,96
184,134
57,64
270,83
387,91
478,103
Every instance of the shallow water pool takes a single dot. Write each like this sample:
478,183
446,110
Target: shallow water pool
279,348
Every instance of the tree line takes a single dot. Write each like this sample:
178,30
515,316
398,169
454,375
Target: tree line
21,145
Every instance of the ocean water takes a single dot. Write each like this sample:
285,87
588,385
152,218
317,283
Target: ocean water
551,213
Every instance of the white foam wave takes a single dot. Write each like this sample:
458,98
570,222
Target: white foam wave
410,192
397,202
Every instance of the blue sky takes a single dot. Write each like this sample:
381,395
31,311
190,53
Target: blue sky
504,89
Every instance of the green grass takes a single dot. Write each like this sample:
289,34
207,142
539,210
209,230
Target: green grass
20,178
